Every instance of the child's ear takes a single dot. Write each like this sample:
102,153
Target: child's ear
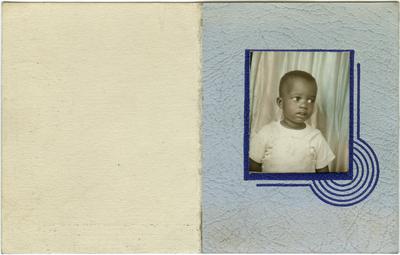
279,101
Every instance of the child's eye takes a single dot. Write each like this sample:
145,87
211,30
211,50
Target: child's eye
310,101
296,99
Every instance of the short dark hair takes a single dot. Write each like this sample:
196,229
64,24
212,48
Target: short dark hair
295,74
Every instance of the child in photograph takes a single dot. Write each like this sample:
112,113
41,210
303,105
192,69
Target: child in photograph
291,145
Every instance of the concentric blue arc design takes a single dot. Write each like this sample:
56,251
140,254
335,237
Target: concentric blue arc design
350,192
365,172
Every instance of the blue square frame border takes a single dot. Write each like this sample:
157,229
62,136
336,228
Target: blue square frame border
294,176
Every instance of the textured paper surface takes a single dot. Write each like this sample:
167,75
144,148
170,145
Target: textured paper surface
101,149
237,215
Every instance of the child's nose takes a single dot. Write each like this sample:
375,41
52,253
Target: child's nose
303,104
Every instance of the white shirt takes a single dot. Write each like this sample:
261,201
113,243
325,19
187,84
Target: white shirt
284,150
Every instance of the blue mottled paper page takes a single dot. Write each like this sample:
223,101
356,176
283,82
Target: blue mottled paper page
352,208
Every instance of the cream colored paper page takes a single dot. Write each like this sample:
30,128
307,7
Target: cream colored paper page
101,144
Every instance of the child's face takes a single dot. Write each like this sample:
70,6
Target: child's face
297,102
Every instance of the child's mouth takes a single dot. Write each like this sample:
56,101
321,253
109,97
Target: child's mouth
301,114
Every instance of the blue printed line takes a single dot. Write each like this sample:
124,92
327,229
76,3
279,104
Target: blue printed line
282,185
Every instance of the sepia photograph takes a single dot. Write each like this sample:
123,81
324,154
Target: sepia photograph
299,111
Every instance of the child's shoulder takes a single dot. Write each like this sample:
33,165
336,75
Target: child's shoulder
315,135
313,130
270,127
